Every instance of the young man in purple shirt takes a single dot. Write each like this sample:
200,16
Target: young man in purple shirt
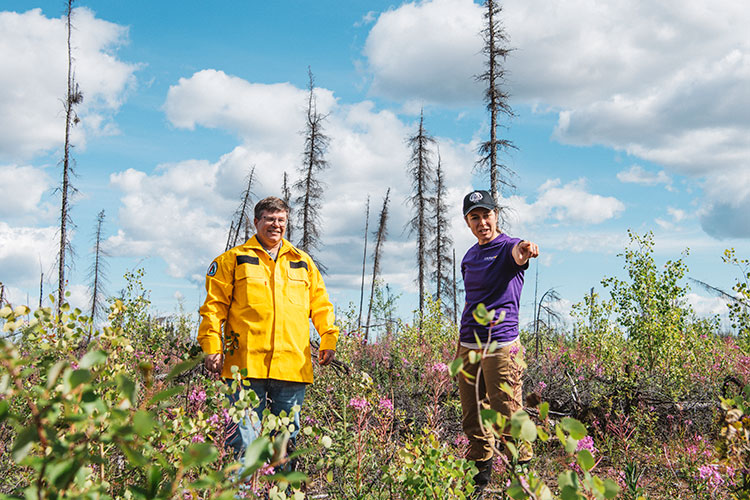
493,275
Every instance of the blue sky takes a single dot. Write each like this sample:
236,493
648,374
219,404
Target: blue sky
631,115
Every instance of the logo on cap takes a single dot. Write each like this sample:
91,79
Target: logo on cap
475,197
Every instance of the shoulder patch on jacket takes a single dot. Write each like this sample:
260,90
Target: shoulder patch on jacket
212,269
247,259
298,265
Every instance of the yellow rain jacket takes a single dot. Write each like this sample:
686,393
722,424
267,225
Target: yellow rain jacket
264,307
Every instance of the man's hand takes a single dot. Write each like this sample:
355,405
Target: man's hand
214,362
325,356
524,251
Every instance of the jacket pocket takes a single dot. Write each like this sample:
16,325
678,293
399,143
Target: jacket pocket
251,285
298,287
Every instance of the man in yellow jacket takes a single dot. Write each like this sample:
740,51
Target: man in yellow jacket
263,294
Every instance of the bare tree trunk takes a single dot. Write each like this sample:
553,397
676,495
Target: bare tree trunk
97,273
287,196
495,98
309,186
455,290
364,261
229,236
420,170
41,287
73,97
441,243
381,234
242,216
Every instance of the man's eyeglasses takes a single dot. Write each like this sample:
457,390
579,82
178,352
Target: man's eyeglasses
281,221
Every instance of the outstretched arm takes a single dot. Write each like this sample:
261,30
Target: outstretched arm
525,250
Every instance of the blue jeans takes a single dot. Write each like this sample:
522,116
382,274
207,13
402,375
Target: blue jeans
279,395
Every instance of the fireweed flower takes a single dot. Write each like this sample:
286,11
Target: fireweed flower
197,396
360,404
213,419
542,386
514,349
198,438
710,474
439,368
385,405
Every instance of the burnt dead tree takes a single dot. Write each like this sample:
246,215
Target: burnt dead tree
73,98
364,263
241,218
420,170
380,236
97,274
442,242
496,100
286,194
309,186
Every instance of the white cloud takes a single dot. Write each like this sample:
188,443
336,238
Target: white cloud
706,306
256,112
638,175
427,51
33,51
25,252
21,192
568,204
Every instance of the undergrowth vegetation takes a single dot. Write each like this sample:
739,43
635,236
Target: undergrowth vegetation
640,400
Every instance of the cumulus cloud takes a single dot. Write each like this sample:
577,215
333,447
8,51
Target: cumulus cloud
570,203
34,54
427,51
258,113
21,191
25,252
638,175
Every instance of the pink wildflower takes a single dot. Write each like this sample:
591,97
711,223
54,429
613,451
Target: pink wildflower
587,443
197,396
710,474
542,386
385,404
514,349
439,368
198,438
213,419
360,404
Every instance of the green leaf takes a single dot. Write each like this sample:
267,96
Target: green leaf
198,454
143,423
585,460
4,409
54,373
576,429
62,473
507,389
560,434
542,434
166,394
528,431
126,387
482,315
611,488
543,410
571,445
455,367
23,442
516,491
134,456
489,417
78,377
180,368
93,358
256,455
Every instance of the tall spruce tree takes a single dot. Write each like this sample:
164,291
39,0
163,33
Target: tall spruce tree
420,170
496,99
309,186
441,244
73,98
380,236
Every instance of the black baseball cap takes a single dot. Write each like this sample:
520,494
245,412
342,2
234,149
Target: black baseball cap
478,199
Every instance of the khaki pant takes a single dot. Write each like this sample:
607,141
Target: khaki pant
497,367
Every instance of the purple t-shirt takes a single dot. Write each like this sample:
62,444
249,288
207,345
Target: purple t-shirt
492,277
